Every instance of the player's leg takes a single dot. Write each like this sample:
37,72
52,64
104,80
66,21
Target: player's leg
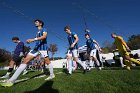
44,54
132,59
127,57
42,66
69,58
121,61
50,66
128,64
75,66
11,67
91,62
95,59
75,55
25,70
22,66
123,52
16,60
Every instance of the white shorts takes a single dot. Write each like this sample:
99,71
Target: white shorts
43,53
73,53
93,53
69,53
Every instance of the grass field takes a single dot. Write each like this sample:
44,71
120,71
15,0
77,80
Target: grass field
105,81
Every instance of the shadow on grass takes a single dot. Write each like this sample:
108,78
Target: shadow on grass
45,88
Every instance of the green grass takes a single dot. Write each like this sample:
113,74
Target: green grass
105,81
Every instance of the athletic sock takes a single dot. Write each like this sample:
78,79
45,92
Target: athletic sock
70,66
82,64
91,63
135,61
50,66
18,72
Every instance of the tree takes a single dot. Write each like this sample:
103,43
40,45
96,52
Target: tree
108,46
134,42
5,57
53,49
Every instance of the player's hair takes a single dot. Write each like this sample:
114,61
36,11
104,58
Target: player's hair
114,33
15,38
66,27
40,21
87,34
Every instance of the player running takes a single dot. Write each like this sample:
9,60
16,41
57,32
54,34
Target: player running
40,48
123,50
73,50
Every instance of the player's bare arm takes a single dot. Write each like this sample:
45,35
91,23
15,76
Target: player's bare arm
39,38
76,40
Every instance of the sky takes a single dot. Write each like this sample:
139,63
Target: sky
102,17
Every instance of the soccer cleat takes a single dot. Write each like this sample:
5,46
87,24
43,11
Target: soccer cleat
50,77
100,68
69,74
89,69
7,84
128,68
5,76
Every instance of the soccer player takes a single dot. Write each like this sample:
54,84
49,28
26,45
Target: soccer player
73,50
16,57
123,50
40,48
91,49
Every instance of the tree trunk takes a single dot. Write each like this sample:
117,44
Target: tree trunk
53,56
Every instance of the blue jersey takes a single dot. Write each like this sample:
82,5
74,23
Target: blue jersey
19,48
71,39
90,44
41,44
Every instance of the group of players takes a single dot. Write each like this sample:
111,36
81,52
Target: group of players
72,55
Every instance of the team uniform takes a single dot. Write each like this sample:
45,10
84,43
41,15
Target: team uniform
121,45
69,53
71,65
41,47
73,52
16,56
91,49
